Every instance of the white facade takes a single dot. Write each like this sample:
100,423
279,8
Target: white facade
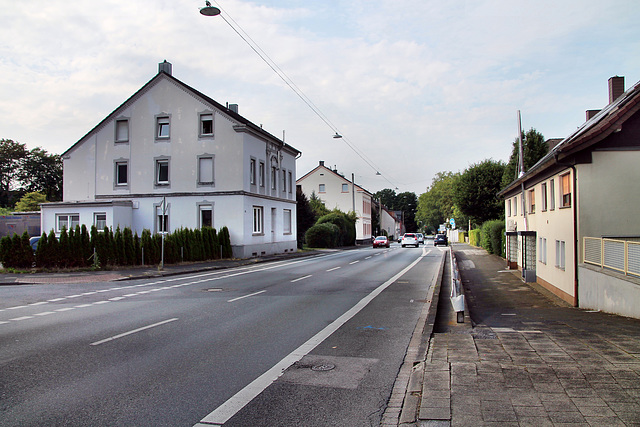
171,144
390,223
336,191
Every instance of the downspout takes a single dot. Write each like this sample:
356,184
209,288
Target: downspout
575,227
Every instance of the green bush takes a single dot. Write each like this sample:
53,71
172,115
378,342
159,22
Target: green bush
474,237
346,226
492,236
325,235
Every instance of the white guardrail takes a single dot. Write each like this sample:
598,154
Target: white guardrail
615,254
457,297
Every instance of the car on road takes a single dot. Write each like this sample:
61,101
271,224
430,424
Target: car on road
440,239
381,241
420,238
410,239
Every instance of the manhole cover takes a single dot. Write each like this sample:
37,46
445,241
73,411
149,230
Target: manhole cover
323,367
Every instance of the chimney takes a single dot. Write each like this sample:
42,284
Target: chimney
321,162
234,108
616,88
591,113
164,67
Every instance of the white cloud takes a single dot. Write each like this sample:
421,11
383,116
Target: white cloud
418,86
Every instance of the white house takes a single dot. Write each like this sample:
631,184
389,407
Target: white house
171,157
336,191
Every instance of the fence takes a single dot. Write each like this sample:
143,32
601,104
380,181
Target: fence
615,254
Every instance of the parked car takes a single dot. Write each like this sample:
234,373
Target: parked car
440,239
420,238
33,241
410,239
381,241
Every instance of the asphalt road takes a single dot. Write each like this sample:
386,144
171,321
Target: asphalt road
210,348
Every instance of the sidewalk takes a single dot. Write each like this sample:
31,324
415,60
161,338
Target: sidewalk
524,359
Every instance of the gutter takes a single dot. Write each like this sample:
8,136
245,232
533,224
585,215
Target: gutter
575,227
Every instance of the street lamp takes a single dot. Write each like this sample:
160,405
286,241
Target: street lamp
209,10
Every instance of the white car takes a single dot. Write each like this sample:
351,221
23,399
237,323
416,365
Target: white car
420,238
410,239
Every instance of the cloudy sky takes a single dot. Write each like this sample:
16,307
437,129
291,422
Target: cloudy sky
415,86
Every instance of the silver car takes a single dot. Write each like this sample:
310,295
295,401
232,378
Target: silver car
410,239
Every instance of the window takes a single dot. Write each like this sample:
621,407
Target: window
122,130
321,188
261,174
67,221
286,221
284,181
345,188
508,202
290,182
122,173
252,171
258,219
162,171
542,249
560,258
532,201
206,216
205,170
565,188
162,218
100,221
552,191
162,127
515,206
274,178
206,124
544,196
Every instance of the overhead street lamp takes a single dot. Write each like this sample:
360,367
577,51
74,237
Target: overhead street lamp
209,10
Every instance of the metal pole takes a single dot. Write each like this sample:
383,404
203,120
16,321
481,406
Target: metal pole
163,225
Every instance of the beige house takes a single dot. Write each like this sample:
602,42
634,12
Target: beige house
336,191
572,219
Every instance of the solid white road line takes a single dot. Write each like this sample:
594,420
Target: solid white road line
246,296
115,337
228,409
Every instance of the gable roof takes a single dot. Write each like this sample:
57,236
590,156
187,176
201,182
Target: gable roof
334,173
164,75
608,121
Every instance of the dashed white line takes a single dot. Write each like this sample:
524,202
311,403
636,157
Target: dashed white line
60,310
17,319
116,298
354,262
133,331
101,302
56,299
83,305
44,313
334,268
16,307
301,278
39,303
246,296
369,256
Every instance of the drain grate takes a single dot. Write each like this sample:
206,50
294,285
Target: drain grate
323,367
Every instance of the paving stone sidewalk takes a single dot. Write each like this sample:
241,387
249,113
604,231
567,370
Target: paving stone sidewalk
528,360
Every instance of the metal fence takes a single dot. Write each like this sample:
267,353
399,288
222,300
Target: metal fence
622,255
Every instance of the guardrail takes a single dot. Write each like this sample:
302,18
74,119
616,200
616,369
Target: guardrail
614,254
457,296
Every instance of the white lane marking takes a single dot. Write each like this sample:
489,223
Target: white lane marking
39,303
60,310
354,262
129,295
301,278
334,268
74,296
16,307
101,302
83,305
56,299
44,313
89,293
2,322
246,296
116,298
370,256
115,337
228,409
17,319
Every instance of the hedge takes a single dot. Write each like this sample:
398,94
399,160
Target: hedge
325,235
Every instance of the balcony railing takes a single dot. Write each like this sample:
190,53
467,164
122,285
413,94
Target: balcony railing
622,255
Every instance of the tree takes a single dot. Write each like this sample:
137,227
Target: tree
305,217
534,148
406,202
42,172
12,156
476,191
317,206
387,197
30,202
436,205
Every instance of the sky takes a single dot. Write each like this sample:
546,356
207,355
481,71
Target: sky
415,87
